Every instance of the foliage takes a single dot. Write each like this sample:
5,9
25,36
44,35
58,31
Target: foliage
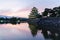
55,12
34,13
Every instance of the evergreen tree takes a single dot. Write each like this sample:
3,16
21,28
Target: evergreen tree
34,13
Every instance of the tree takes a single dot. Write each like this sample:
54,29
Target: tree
34,13
57,11
45,13
13,20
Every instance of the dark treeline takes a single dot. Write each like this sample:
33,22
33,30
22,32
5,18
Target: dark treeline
12,20
48,12
55,12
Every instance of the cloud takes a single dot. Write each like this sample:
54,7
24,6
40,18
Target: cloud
19,13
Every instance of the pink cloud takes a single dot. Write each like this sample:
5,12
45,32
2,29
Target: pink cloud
20,13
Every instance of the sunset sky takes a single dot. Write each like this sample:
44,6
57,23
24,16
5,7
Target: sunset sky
22,8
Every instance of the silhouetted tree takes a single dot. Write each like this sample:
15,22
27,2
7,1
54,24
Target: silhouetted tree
45,13
34,13
13,20
55,12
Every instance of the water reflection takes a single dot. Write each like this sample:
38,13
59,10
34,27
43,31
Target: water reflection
48,33
18,32
27,31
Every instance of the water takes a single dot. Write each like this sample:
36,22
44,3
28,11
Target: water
23,31
18,32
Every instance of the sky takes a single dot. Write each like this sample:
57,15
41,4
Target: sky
22,8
